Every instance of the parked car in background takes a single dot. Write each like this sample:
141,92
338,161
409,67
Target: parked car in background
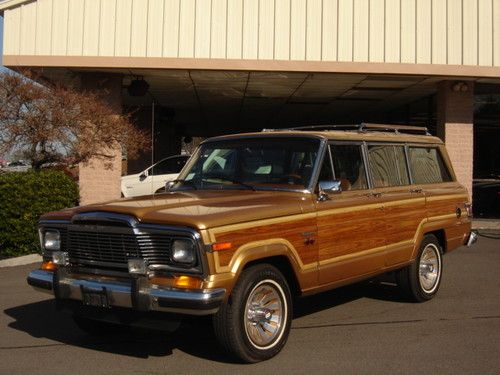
154,177
17,166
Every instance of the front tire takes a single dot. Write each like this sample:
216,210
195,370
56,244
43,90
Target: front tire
420,280
254,324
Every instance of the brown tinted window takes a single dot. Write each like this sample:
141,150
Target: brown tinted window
388,166
427,166
349,167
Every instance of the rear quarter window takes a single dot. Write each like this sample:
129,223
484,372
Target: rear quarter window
427,165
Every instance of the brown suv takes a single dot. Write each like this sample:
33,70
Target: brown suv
255,220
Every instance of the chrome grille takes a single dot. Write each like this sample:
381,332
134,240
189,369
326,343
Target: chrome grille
105,247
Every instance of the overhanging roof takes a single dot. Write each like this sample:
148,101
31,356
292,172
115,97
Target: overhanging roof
6,4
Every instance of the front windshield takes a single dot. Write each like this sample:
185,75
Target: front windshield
257,163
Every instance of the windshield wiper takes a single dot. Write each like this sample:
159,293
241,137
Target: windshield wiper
236,182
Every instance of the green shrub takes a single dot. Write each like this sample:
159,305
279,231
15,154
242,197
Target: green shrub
24,197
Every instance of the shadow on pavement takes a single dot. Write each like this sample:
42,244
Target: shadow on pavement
195,337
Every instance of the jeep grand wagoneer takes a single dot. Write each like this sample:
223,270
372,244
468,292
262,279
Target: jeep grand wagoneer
253,221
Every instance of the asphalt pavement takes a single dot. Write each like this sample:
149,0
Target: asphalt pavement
361,329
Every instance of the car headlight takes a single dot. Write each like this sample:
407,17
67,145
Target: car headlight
52,240
183,252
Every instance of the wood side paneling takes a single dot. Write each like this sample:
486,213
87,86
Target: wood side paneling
308,253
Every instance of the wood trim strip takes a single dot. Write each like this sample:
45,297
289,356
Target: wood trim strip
101,62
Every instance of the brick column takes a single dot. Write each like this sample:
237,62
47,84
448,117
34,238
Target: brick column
455,117
100,182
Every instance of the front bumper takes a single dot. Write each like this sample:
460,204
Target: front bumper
136,294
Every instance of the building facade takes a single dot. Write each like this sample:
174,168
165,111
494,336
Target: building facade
225,66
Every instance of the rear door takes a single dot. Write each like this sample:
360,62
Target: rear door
404,204
350,224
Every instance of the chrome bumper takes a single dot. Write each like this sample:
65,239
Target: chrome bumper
135,293
472,239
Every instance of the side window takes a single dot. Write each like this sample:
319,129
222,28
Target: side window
349,167
388,166
168,166
326,171
427,166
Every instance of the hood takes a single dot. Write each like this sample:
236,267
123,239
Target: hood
201,209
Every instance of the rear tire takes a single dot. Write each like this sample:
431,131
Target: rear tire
254,324
420,281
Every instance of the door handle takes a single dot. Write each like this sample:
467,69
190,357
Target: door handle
375,195
416,191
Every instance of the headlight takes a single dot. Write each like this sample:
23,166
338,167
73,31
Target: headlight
52,240
183,252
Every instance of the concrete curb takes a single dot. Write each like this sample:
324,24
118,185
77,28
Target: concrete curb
485,224
20,261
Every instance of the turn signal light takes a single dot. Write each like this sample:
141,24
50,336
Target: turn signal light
48,266
219,246
184,282
187,282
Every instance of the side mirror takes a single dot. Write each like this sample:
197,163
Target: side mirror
327,188
169,185
142,177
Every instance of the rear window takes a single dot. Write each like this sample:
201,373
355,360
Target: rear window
427,166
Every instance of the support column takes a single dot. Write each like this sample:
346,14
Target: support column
100,182
455,117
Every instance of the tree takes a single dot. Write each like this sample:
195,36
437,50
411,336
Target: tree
61,125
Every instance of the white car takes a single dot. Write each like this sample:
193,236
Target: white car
153,178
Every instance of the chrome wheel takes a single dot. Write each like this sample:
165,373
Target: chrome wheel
430,268
265,314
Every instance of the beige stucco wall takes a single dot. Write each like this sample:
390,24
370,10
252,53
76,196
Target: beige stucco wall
454,32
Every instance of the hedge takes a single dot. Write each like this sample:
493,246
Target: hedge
23,198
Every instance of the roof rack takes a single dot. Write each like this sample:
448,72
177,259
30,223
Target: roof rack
363,127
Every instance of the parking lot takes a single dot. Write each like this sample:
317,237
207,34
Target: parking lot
365,328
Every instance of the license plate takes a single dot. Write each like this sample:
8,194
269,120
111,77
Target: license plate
92,297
